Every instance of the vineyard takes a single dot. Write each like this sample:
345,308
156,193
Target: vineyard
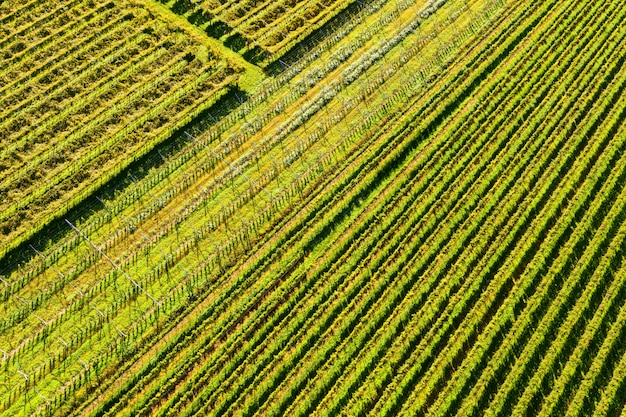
86,88
263,30
312,208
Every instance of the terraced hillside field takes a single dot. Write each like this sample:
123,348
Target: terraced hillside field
423,213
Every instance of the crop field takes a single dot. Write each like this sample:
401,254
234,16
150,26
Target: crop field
265,29
421,211
87,87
